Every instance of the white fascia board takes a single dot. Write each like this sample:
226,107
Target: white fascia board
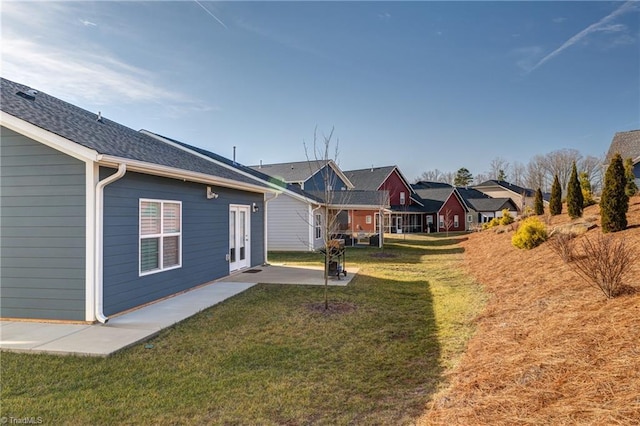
48,138
337,169
176,173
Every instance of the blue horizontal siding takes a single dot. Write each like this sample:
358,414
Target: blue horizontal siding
42,229
205,239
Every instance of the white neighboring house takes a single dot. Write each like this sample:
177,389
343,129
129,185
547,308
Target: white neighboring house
295,222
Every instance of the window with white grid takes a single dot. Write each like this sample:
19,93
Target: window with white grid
160,235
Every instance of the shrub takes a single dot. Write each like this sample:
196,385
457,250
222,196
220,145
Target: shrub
614,203
604,263
491,224
531,233
631,188
555,203
506,217
561,243
575,199
538,203
587,196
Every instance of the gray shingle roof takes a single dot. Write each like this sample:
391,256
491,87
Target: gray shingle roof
105,136
627,144
490,204
508,186
432,196
369,179
294,172
356,198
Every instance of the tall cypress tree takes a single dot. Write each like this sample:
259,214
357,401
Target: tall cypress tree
614,202
631,189
538,203
555,203
575,199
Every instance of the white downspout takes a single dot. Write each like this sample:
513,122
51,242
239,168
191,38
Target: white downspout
99,264
266,227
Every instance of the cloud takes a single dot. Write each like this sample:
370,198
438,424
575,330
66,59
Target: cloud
88,23
559,20
87,77
384,16
602,25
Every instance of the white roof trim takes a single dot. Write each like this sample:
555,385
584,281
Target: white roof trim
177,173
48,138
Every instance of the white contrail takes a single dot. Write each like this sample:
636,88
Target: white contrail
628,6
212,15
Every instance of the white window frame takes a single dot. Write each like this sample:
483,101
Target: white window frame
403,199
470,218
367,219
160,236
456,221
318,226
441,221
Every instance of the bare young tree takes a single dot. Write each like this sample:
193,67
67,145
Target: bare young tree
319,159
448,220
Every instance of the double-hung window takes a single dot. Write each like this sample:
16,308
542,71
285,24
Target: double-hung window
160,235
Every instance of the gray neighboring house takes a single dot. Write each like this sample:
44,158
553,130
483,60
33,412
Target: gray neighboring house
627,144
482,208
521,197
97,218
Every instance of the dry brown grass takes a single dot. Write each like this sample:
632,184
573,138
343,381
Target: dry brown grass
549,349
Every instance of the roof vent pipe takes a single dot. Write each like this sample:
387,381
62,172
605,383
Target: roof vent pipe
234,154
99,117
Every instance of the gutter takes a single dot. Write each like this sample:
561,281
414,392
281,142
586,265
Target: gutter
99,231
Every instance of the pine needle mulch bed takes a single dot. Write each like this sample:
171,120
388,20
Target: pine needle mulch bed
550,349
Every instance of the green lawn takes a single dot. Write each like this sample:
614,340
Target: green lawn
265,357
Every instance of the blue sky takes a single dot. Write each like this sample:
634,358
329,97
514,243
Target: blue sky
422,85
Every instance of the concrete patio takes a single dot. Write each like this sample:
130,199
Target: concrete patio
141,324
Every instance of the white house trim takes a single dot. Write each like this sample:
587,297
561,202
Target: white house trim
48,138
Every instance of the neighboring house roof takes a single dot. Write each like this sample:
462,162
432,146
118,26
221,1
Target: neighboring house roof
356,198
112,141
430,185
627,144
299,171
506,185
369,179
372,178
491,204
432,196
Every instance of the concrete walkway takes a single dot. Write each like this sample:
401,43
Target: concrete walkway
141,324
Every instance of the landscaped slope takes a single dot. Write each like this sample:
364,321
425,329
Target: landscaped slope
549,348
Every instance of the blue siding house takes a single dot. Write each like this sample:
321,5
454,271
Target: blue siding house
97,218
